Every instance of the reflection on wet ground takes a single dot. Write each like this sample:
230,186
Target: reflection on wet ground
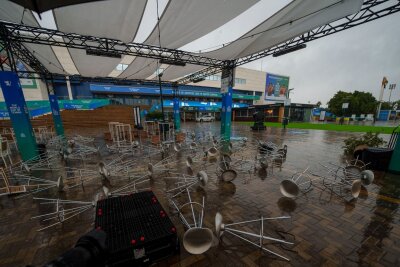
326,230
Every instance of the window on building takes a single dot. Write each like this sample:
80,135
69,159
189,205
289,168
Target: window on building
122,67
214,78
242,113
240,81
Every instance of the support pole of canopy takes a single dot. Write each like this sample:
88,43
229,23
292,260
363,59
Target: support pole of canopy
227,83
177,115
161,96
19,116
55,109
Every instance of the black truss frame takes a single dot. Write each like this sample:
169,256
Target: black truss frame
28,34
16,34
78,78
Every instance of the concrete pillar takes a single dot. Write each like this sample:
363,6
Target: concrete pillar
177,115
19,116
281,114
70,97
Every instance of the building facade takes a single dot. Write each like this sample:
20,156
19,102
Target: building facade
195,98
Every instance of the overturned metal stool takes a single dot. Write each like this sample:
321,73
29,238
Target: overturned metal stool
64,210
184,182
196,239
221,228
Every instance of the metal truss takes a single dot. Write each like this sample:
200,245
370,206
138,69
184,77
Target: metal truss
199,75
78,78
21,52
102,46
26,56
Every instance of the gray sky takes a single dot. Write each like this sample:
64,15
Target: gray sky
355,59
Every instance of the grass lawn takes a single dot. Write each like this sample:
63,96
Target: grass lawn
328,127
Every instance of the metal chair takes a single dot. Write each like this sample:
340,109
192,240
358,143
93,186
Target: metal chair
5,152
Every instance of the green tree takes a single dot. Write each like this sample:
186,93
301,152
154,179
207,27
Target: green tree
336,102
359,103
386,106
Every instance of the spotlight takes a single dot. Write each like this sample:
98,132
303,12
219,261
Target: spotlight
101,53
172,62
289,50
197,80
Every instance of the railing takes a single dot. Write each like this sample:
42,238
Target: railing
394,137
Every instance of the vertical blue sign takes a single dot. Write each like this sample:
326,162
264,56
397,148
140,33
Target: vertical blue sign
15,101
55,110
227,80
177,115
226,114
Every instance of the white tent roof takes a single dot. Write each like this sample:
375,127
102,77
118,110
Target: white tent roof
296,18
186,20
181,22
111,19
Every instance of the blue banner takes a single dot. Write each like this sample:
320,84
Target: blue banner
16,106
227,80
166,91
127,89
169,103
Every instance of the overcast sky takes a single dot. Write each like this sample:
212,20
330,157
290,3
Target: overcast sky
355,59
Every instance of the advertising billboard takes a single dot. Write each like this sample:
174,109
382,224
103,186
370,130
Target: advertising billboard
276,87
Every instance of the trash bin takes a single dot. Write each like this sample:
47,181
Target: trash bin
378,158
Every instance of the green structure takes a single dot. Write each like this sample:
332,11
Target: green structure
18,112
394,166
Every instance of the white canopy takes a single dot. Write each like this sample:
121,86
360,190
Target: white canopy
293,20
181,22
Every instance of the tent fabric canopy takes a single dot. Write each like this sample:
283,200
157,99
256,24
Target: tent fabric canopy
181,22
109,19
293,20
304,16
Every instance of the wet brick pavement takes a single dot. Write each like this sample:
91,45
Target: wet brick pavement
326,230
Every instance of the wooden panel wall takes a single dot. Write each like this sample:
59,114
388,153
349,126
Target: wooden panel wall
97,118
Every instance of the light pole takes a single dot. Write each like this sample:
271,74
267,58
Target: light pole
288,92
383,86
287,99
391,88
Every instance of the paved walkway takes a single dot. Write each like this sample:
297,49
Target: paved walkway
326,230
